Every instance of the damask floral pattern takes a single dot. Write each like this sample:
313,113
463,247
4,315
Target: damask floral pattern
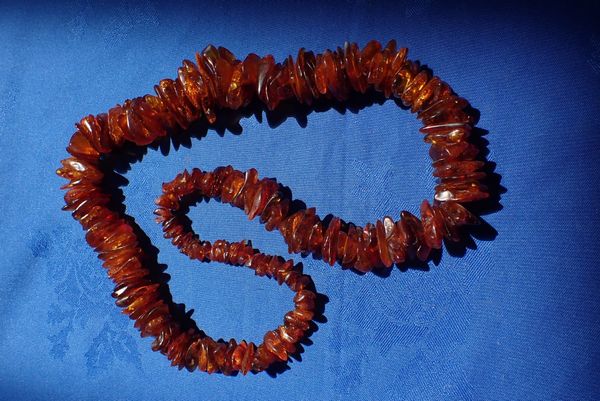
82,304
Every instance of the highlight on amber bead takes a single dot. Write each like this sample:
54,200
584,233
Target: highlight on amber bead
215,80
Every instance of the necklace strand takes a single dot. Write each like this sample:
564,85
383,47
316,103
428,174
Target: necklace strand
220,81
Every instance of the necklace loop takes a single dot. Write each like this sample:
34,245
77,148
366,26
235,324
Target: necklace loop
220,81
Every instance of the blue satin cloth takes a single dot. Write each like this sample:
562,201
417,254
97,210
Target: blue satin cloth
511,314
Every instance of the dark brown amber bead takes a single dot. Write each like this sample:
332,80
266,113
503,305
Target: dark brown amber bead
178,350
458,151
162,111
153,327
330,241
207,72
174,346
412,90
80,146
461,191
191,81
382,79
450,133
171,94
77,169
156,314
450,231
235,96
400,80
455,168
250,71
220,355
348,257
299,282
382,243
294,79
406,234
395,60
238,354
275,212
368,252
291,333
126,294
117,125
227,364
224,70
148,118
357,79
377,70
265,192
362,257
207,360
123,262
336,77
95,129
263,358
414,236
466,177
321,74
305,70
281,86
457,214
232,186
136,131
301,236
274,344
341,245
191,355
315,241
291,319
425,94
246,364
305,299
266,67
166,336
437,109
125,270
396,248
443,91
289,226
287,339
450,109
372,250
303,314
432,226
368,53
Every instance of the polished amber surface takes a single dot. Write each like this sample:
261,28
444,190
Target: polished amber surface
218,80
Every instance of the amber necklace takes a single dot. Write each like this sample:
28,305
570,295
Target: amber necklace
216,81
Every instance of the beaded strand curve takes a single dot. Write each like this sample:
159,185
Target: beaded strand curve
218,81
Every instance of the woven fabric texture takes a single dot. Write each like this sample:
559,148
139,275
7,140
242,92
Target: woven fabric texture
512,316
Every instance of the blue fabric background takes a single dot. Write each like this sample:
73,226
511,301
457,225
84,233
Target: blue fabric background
514,319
